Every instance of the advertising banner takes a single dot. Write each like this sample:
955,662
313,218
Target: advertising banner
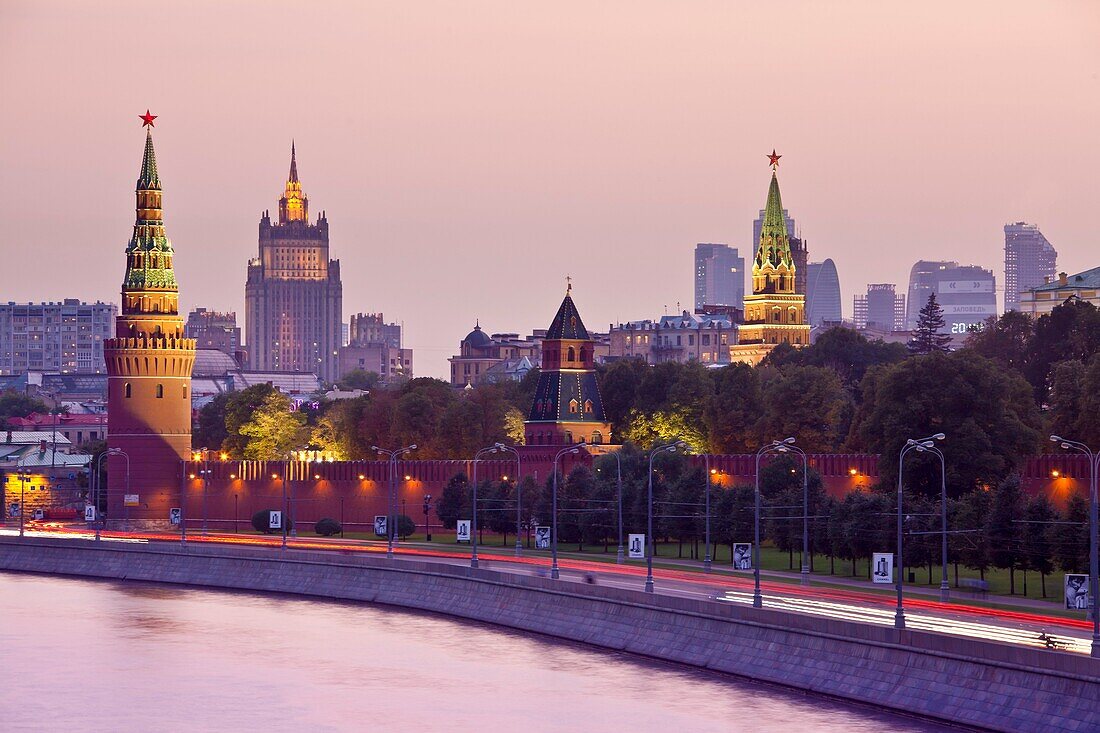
174,515
274,520
882,567
1077,591
542,538
966,286
742,556
131,500
636,546
89,513
380,525
462,530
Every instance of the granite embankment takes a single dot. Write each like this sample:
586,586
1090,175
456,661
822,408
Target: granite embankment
966,681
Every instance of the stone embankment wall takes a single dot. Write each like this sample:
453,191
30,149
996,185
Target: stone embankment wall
981,684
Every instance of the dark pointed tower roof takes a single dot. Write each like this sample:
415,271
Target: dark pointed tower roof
774,246
148,180
293,163
567,323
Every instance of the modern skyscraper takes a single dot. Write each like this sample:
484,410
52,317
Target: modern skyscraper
149,364
567,407
719,276
293,297
64,337
800,254
823,300
774,313
1030,261
881,309
967,294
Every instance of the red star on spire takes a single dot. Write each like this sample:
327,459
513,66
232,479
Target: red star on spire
773,159
147,119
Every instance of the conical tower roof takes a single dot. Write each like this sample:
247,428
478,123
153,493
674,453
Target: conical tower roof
293,163
148,180
567,323
774,247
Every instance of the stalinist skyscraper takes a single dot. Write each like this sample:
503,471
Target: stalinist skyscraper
293,296
775,313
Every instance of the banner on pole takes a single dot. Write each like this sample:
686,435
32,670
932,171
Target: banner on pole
882,567
462,530
636,546
742,555
542,538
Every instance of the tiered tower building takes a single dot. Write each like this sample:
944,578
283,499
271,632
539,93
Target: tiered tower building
149,365
293,296
775,312
567,407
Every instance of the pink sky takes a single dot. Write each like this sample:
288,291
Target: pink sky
471,154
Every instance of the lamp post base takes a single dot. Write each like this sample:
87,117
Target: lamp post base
945,592
619,555
899,620
804,576
473,562
649,585
706,564
757,601
519,548
554,575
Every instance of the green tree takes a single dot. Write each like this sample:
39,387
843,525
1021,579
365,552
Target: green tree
731,413
971,519
209,429
455,502
1072,540
1004,527
17,404
1075,400
985,411
1069,332
358,379
808,403
927,338
1006,340
618,389
274,430
238,411
1038,544
649,429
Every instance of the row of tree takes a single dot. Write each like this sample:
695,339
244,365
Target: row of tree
998,528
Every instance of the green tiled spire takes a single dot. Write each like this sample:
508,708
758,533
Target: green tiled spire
148,179
774,246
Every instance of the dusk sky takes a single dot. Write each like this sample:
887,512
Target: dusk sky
470,155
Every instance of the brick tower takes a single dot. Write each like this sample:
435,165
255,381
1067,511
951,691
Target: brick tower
149,367
567,407
775,313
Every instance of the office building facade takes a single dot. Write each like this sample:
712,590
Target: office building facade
213,330
1030,261
880,309
823,299
967,294
719,276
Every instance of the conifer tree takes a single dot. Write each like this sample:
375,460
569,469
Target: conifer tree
927,337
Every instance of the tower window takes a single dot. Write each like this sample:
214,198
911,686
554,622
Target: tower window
573,407
160,391
126,390
572,354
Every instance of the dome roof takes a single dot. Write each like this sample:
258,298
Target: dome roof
477,338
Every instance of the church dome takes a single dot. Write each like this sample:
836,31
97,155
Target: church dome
477,338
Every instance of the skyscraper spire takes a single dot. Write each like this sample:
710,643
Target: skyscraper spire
294,205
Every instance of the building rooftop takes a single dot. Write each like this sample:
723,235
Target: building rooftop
1086,279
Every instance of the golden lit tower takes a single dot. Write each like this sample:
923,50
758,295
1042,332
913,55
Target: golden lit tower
148,365
775,312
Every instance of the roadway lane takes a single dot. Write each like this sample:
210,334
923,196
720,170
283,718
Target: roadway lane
1013,627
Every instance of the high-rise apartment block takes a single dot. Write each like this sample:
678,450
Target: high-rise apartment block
213,330
880,309
967,294
719,276
1030,261
823,304
293,297
65,337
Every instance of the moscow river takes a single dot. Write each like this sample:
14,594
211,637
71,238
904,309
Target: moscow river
106,656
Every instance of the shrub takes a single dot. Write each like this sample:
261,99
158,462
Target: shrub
261,521
327,527
405,526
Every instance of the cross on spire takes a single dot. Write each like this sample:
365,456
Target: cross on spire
568,284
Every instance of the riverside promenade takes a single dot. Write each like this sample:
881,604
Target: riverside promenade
973,682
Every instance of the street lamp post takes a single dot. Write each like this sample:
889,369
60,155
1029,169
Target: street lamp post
205,473
392,456
1094,540
24,477
126,491
776,446
670,448
925,443
945,588
519,493
427,508
554,574
286,508
495,448
790,447
619,484
706,500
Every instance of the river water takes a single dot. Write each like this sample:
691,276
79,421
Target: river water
86,655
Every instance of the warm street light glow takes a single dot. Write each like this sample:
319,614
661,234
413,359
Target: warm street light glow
361,477
316,476
191,475
408,477
274,475
1056,473
224,456
853,472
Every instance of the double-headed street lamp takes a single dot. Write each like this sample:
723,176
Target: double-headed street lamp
910,445
669,448
554,574
1094,541
519,494
776,446
392,456
945,588
788,446
494,448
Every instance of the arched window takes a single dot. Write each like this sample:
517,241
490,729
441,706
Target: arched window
568,437
597,437
126,390
185,391
573,407
588,406
160,391
572,354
